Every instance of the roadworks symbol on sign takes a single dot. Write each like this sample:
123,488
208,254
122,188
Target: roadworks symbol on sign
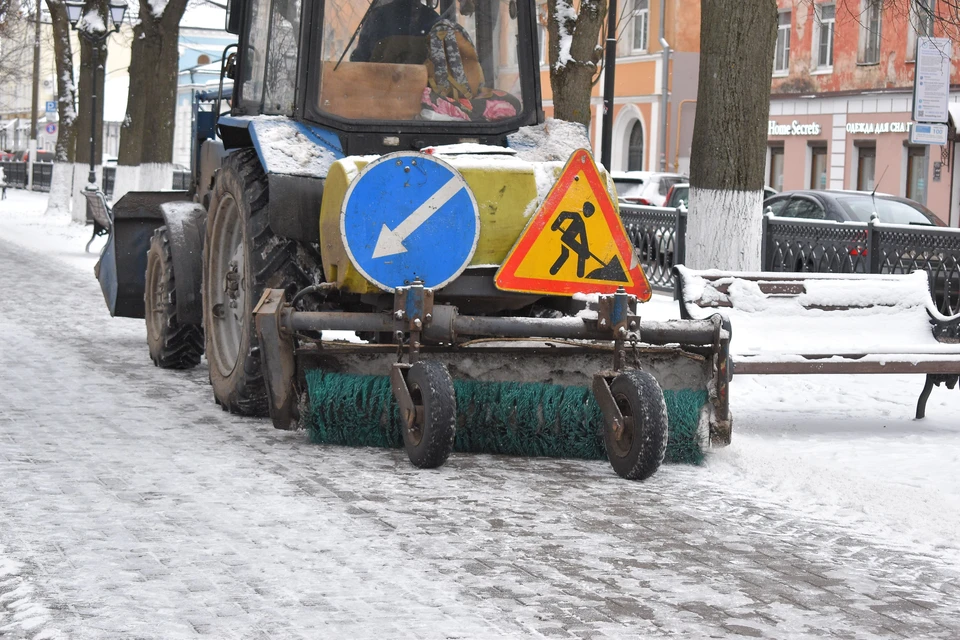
576,242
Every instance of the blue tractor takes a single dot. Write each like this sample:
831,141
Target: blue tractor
379,163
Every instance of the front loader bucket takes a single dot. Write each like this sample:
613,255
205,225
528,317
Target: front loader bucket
123,262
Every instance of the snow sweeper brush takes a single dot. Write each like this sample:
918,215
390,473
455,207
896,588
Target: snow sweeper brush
470,338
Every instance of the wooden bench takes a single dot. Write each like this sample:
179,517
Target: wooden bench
98,212
805,323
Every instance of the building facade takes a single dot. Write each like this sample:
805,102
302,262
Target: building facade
16,82
842,102
201,50
637,129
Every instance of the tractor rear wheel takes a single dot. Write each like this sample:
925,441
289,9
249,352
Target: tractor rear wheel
172,345
636,448
242,257
429,438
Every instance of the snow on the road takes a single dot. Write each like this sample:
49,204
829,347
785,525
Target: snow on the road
22,221
837,446
842,450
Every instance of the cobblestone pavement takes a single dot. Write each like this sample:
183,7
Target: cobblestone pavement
132,507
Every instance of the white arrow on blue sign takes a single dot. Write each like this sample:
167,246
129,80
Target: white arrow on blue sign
408,216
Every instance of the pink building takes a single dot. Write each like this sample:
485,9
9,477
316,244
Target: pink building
841,104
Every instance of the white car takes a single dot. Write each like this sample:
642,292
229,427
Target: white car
645,187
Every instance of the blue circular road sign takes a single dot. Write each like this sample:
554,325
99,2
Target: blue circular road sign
407,216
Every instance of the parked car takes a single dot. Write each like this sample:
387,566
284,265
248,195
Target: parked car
42,156
851,206
644,187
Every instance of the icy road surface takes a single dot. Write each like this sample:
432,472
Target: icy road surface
132,507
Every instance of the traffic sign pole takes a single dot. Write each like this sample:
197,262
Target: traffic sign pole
931,90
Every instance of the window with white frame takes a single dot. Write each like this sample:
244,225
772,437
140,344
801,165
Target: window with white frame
641,25
781,61
826,15
542,33
870,26
922,13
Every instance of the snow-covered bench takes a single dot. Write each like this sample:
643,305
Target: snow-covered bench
99,211
802,323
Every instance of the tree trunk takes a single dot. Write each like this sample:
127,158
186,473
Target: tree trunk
574,55
737,40
146,136
61,182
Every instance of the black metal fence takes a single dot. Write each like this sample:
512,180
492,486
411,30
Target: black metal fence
659,238
792,245
181,180
846,247
108,178
15,175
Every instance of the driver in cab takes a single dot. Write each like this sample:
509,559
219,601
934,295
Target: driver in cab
395,31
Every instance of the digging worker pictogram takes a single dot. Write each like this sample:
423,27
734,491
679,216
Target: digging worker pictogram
573,237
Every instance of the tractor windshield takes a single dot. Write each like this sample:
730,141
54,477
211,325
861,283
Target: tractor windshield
423,60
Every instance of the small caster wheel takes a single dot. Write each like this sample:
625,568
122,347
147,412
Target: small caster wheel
428,437
636,448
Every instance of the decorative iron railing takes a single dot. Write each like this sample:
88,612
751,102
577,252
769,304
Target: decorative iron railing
108,178
658,235
15,175
42,176
181,180
847,247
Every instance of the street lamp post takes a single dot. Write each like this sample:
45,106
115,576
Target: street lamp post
96,39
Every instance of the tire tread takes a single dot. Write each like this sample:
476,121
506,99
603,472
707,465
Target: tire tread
180,345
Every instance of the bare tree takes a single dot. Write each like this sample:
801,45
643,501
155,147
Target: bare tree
16,51
146,136
65,152
737,39
574,55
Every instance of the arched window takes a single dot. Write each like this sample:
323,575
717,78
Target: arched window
635,148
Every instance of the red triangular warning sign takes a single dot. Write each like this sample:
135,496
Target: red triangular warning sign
576,242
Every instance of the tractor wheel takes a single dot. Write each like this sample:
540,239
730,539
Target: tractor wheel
429,440
636,448
172,345
242,257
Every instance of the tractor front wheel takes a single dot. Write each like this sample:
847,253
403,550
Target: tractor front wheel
637,446
428,437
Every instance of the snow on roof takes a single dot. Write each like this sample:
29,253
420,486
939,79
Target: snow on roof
552,141
468,148
286,149
201,15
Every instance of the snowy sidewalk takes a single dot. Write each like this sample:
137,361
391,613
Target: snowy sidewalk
131,506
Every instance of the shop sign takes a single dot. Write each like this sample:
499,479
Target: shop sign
792,129
878,127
